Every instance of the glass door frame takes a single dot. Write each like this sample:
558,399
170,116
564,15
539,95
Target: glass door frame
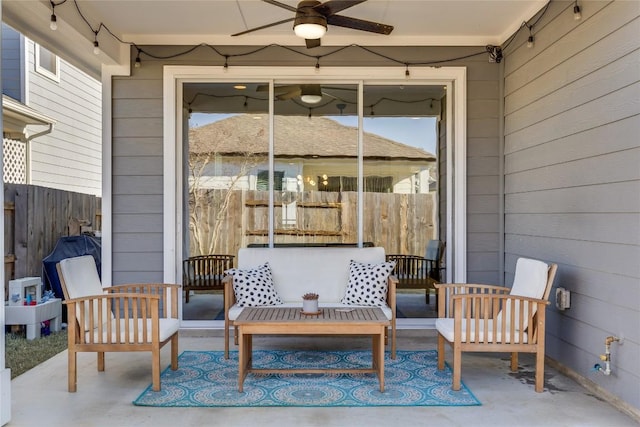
175,116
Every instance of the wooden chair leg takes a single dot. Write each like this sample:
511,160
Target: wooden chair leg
514,361
174,352
235,335
226,338
440,352
186,295
73,372
155,368
539,371
101,361
393,342
457,367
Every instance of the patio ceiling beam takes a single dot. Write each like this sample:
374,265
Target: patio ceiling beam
73,40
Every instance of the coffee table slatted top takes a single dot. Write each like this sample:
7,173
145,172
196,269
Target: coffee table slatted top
275,314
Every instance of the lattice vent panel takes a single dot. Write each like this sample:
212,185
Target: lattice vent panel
14,169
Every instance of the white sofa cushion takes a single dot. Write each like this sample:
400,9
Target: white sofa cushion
297,271
368,284
254,287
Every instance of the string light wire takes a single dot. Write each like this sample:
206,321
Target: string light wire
490,50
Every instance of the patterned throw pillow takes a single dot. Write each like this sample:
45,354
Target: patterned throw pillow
254,287
368,284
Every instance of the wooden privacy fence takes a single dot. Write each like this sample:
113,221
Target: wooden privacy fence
35,218
401,223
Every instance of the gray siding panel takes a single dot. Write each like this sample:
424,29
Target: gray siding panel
572,180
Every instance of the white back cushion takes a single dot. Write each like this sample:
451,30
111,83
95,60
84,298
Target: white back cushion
81,276
530,281
297,271
81,280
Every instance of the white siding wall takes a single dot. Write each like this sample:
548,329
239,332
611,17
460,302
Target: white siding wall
70,158
137,152
572,179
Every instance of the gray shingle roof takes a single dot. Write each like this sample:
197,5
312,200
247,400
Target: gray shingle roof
296,136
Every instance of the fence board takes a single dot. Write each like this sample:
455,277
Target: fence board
35,218
401,223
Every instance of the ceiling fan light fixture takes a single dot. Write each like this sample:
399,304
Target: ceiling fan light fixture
310,31
310,94
309,23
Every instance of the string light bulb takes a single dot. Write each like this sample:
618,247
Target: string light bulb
407,74
577,12
96,47
530,41
54,22
138,62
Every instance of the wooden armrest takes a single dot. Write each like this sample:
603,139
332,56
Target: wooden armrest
391,294
469,287
229,295
141,287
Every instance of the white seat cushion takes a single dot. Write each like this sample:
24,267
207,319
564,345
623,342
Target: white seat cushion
445,328
168,327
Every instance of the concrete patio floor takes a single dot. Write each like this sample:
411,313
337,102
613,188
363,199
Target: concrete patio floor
40,397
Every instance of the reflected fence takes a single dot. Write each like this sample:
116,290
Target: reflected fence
223,221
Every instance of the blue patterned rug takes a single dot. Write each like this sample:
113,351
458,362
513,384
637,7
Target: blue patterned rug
207,379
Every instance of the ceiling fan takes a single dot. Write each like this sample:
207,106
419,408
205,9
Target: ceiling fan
312,17
308,93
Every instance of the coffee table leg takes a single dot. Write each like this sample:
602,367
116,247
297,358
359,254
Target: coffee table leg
244,356
378,357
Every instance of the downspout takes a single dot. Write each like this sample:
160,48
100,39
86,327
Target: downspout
28,142
39,134
501,208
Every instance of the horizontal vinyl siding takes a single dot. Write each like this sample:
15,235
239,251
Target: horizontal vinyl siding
137,177
137,150
69,158
572,179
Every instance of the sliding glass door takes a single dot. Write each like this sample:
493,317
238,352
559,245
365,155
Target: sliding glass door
307,161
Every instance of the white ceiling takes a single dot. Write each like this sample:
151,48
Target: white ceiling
449,22
191,22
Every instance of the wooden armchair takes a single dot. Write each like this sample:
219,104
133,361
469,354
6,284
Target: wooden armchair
486,318
413,272
204,273
141,317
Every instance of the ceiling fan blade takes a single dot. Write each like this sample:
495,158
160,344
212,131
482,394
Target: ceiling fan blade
289,95
282,5
335,6
312,43
278,89
273,24
359,24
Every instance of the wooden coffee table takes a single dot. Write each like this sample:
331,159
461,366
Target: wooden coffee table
291,321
